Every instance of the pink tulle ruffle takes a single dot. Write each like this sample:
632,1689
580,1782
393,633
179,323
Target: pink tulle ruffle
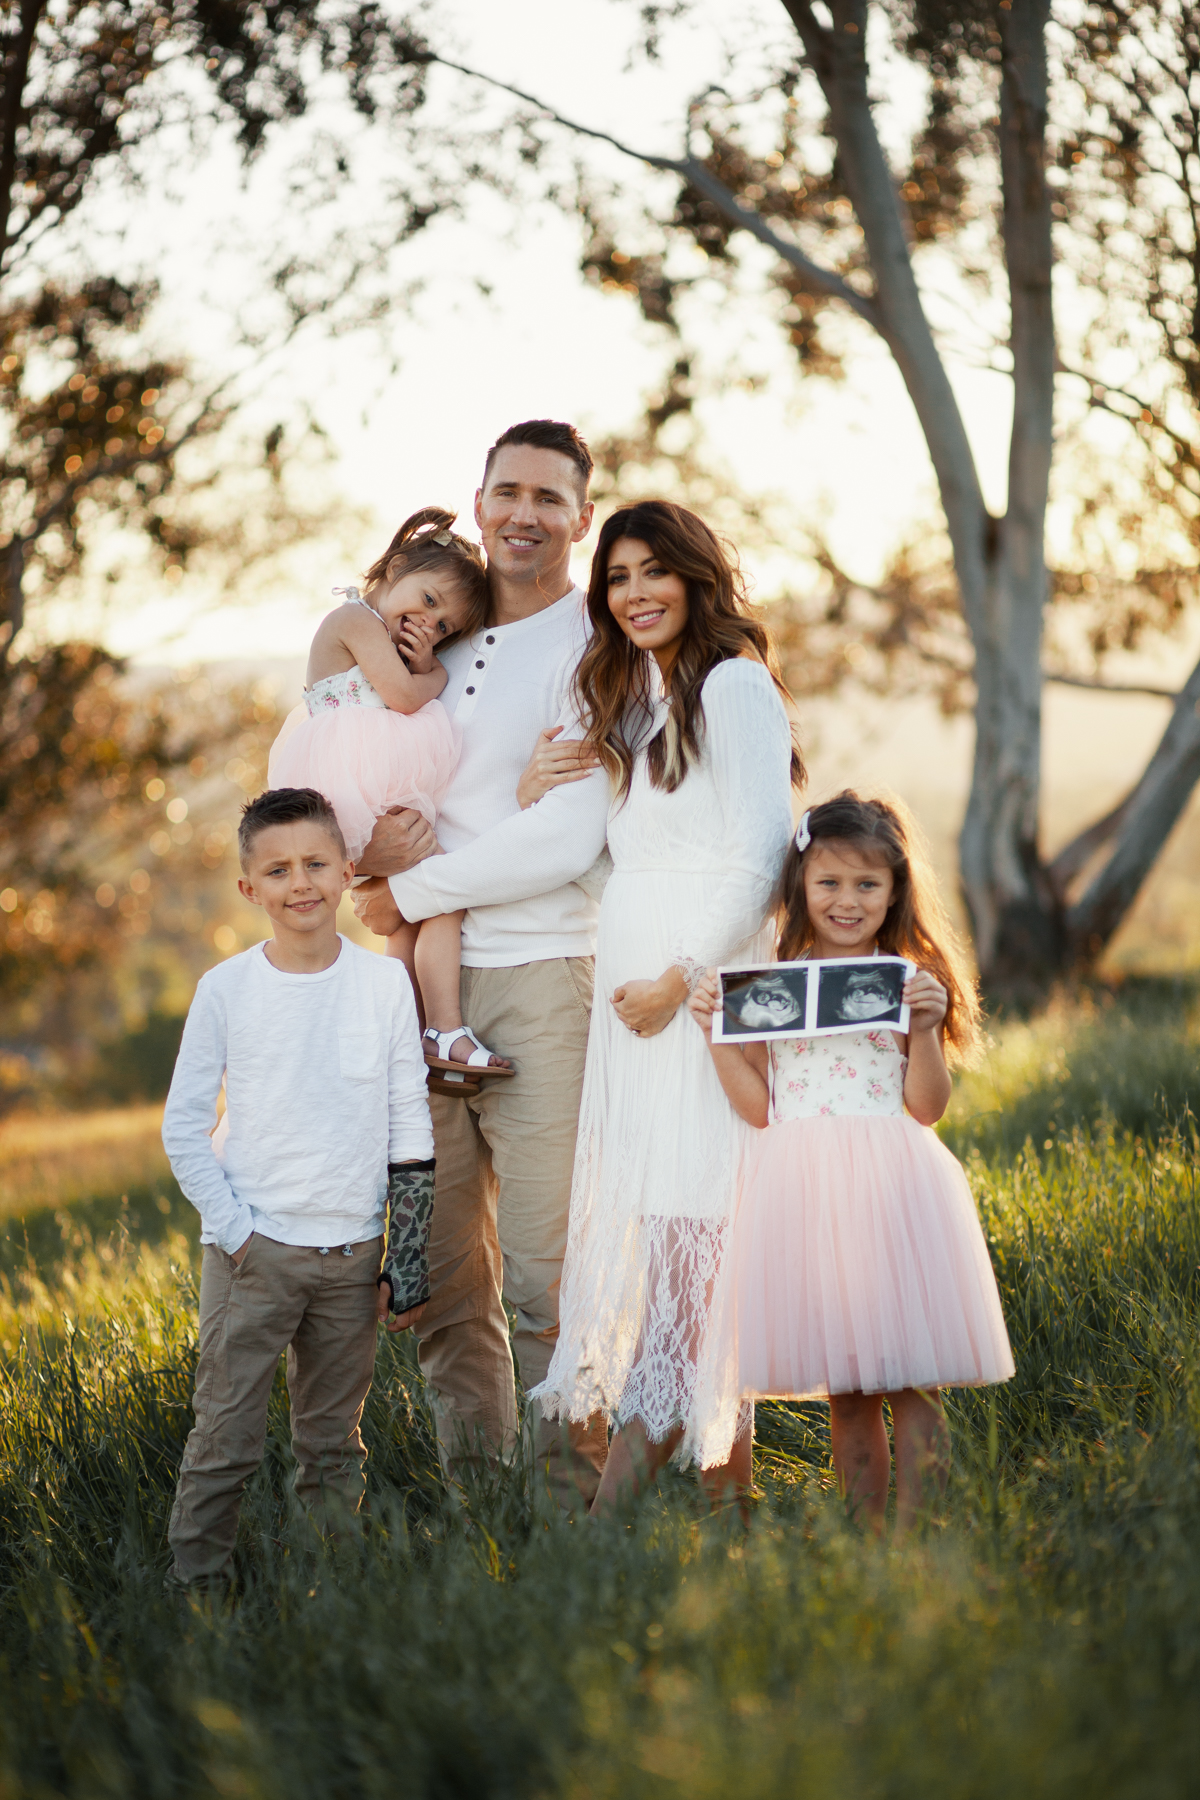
859,1264
365,759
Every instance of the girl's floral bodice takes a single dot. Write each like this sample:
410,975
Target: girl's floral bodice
348,688
850,1073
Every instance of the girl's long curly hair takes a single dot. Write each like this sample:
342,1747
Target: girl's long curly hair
612,682
916,925
426,540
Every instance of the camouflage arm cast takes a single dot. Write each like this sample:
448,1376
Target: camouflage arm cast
406,1258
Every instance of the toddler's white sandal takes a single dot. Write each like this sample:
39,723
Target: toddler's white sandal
476,1065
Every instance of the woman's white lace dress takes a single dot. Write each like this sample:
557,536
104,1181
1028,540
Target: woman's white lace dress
659,1145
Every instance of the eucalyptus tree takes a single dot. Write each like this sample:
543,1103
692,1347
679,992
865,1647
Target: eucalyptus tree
1043,128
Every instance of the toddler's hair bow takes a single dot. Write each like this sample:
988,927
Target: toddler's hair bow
443,538
803,834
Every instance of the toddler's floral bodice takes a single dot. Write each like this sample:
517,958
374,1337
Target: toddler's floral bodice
850,1073
350,687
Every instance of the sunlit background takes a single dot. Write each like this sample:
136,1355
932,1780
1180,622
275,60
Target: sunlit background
484,319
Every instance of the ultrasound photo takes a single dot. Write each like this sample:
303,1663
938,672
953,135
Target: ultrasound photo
853,994
811,999
762,1003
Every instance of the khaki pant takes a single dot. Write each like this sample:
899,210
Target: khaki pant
499,1233
320,1308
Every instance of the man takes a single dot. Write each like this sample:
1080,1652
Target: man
505,1155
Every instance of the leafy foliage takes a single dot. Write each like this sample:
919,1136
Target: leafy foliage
93,441
96,428
90,763
82,83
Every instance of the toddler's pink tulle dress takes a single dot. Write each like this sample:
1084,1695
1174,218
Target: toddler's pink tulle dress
857,1262
348,745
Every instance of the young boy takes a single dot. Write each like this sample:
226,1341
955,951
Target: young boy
326,1116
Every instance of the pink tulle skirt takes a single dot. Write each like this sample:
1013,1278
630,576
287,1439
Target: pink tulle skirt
365,759
859,1265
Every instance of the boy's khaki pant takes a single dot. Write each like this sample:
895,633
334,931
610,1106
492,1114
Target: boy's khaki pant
499,1232
320,1308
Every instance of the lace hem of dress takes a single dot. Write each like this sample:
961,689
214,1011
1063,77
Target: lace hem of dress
636,1349
692,971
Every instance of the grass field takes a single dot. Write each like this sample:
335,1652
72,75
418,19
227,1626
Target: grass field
1039,1637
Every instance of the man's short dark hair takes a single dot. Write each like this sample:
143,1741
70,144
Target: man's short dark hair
546,434
285,806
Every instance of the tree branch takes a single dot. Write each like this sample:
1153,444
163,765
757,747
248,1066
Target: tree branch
812,34
1112,687
690,169
1073,857
1141,824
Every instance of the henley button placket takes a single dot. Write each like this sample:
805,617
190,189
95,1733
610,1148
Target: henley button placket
469,692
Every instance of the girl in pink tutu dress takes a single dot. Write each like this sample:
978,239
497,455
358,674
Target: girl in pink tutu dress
857,1269
372,734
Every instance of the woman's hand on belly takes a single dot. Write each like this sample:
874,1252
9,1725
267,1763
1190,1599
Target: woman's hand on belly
647,1007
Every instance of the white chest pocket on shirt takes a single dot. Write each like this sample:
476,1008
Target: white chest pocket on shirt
360,1053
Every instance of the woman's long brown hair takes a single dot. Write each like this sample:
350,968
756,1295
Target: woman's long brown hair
916,925
612,682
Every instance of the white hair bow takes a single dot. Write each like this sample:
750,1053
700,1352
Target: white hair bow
803,834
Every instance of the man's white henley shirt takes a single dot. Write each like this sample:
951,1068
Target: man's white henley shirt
515,872
325,1085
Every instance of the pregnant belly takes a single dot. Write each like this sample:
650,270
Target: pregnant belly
645,915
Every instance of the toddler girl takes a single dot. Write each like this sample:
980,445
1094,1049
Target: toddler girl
373,735
857,1269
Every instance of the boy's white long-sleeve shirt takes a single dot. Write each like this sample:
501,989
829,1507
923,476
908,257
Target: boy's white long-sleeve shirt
325,1084
517,873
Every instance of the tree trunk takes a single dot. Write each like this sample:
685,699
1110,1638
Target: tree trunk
12,593
1024,929
999,563
1013,907
17,51
838,58
1140,825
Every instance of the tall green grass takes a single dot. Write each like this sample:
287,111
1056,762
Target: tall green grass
1131,1057
1040,1636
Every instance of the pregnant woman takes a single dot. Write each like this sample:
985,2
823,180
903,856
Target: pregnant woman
685,711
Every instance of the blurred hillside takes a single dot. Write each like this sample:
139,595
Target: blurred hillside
105,1028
